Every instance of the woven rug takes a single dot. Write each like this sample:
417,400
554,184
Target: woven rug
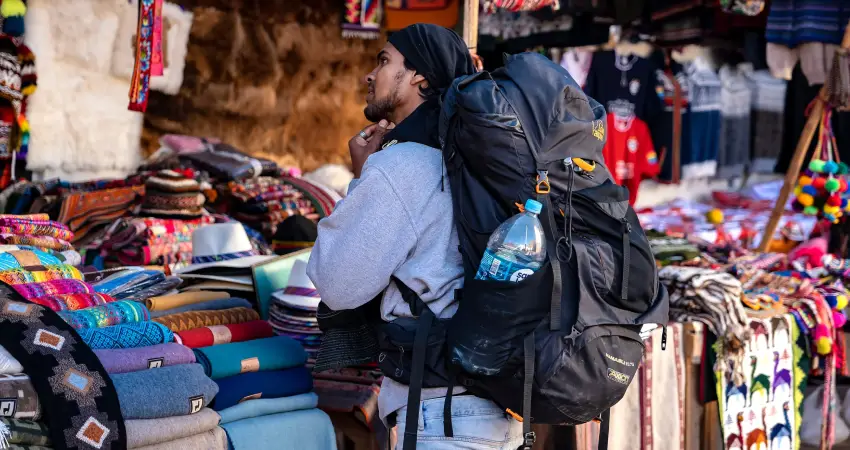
197,319
79,399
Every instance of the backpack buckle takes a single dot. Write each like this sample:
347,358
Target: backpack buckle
542,186
529,439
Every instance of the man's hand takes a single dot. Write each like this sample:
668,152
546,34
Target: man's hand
365,143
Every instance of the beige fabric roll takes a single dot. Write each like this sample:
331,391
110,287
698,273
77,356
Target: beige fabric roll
167,302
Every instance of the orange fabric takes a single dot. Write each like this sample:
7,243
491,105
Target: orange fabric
396,18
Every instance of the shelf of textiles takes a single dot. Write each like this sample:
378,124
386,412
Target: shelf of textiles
135,358
747,330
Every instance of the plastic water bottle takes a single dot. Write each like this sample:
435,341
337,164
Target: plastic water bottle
516,249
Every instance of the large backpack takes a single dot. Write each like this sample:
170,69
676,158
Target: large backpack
565,340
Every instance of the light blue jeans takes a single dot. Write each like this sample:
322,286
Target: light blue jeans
477,423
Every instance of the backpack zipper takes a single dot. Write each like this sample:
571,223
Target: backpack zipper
627,229
664,338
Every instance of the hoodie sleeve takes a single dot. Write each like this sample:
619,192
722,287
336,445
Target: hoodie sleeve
362,243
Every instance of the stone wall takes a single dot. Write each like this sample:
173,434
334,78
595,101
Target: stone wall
271,77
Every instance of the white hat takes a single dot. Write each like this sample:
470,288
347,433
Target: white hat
299,293
222,246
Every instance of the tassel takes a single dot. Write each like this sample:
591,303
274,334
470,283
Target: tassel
13,12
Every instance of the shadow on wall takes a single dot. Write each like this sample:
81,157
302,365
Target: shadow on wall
272,77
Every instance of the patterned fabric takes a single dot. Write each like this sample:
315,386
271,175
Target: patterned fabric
222,257
127,335
25,432
83,210
67,376
18,399
167,285
56,287
115,313
127,283
49,273
197,319
40,228
140,84
72,302
18,259
47,242
149,241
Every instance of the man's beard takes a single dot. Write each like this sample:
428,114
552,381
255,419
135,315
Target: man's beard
381,109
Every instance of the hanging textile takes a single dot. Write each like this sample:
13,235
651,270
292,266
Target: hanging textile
140,84
361,19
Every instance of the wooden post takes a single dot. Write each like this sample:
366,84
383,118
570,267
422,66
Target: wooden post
470,24
799,157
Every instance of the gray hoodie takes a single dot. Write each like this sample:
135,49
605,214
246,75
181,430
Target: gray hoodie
395,221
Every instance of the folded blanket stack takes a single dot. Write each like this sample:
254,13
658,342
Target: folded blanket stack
35,230
172,195
263,203
146,241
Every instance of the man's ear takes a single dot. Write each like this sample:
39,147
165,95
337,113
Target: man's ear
419,79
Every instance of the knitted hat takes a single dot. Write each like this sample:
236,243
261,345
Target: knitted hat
172,195
10,70
294,233
28,75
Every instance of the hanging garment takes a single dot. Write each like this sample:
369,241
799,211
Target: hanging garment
704,97
628,87
793,22
577,62
733,153
766,119
663,133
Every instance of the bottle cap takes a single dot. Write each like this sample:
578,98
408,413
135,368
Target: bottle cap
533,206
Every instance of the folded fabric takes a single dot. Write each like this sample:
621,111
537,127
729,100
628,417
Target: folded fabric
268,406
19,258
165,392
312,427
51,273
254,385
45,242
212,305
126,335
8,219
274,353
196,319
71,257
83,210
126,283
24,403
215,439
42,228
165,286
123,360
57,287
225,334
110,314
141,432
168,302
24,432
8,364
72,302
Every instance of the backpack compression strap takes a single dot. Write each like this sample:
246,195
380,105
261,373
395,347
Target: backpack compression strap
548,223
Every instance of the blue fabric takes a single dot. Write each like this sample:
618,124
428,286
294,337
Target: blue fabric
268,406
212,305
298,430
126,283
126,335
274,353
794,22
164,392
274,384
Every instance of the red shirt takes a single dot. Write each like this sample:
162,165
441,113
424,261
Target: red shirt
629,153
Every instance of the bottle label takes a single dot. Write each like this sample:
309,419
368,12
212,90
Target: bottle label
494,267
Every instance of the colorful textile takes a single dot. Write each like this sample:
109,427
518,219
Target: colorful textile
12,258
165,392
361,19
146,241
185,298
140,84
142,432
763,402
166,286
50,229
72,302
127,335
196,319
25,432
268,406
50,273
254,385
67,377
107,315
46,242
18,398
57,287
312,426
211,305
123,360
82,211
274,353
225,334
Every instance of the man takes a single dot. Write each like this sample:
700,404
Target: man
397,222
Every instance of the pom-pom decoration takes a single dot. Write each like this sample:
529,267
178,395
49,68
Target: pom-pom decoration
13,12
839,319
715,216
